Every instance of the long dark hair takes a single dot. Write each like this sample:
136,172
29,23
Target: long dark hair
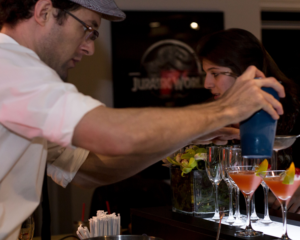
237,49
13,11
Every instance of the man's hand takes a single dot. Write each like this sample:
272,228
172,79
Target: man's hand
245,97
219,137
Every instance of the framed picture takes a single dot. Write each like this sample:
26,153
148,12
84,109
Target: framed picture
154,57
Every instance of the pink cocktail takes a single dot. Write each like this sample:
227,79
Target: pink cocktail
283,190
247,181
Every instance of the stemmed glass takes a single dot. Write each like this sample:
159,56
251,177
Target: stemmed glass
274,164
225,163
235,155
266,221
213,168
283,191
244,175
254,216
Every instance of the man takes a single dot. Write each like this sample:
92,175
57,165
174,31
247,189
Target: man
40,41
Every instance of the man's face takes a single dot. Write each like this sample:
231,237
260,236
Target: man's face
65,45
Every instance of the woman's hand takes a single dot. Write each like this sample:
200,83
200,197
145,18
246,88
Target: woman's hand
294,204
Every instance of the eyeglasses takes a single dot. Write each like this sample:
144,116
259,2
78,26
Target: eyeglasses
216,74
230,74
92,35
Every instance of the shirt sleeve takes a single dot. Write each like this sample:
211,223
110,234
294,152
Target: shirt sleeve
63,163
34,102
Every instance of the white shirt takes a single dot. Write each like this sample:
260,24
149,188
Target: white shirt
36,110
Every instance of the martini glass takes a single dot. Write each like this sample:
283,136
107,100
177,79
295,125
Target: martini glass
283,192
213,168
243,174
281,142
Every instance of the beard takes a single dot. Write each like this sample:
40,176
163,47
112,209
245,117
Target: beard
53,52
53,62
61,71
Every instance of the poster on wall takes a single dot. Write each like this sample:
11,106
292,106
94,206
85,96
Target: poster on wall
154,57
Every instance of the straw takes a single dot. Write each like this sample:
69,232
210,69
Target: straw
82,213
96,227
79,235
86,231
107,206
105,227
92,228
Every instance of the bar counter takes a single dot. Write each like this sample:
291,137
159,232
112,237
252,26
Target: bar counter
163,223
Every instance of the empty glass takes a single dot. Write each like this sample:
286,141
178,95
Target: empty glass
225,163
235,155
213,168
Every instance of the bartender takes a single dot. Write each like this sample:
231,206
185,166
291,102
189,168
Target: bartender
44,120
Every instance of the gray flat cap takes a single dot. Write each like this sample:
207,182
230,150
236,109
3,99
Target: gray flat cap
108,8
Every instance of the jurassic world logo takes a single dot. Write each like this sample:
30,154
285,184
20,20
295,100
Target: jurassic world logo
169,69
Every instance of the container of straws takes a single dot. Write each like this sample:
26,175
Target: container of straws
101,225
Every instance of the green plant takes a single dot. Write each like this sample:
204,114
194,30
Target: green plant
188,160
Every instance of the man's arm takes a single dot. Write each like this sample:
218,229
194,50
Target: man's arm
136,138
100,170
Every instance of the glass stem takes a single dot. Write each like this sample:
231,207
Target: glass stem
248,211
284,220
266,192
253,211
230,202
237,203
216,199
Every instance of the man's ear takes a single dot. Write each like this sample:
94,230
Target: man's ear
42,11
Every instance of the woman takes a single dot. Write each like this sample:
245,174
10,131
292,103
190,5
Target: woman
225,55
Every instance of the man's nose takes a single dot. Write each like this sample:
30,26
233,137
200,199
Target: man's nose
88,48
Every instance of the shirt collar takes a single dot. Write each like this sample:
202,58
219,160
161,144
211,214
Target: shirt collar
7,39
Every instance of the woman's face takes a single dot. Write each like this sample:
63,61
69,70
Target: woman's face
218,79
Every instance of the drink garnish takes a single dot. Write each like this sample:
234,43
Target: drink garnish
289,175
262,168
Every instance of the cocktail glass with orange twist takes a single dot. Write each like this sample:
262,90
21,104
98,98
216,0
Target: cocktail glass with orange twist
283,183
244,174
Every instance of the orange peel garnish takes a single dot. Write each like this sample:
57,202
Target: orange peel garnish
289,175
263,167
